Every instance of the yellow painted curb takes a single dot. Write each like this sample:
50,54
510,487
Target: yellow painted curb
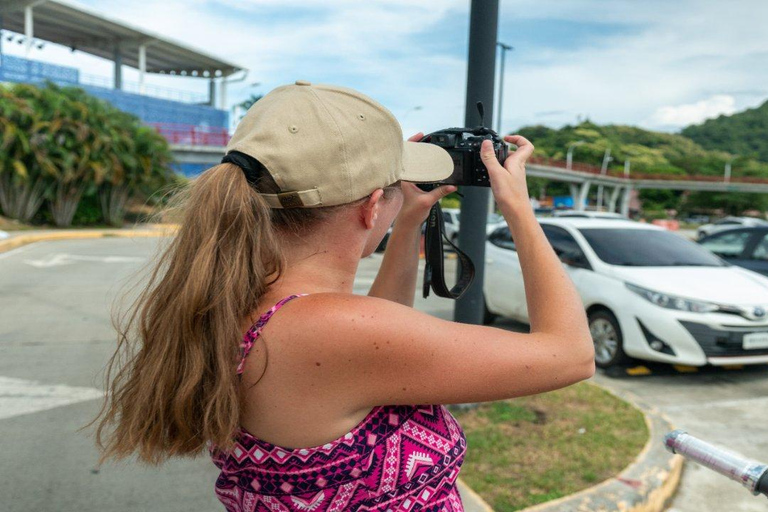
21,240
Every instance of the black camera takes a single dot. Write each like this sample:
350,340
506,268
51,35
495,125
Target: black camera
463,144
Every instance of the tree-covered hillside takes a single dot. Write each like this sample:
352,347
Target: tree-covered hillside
745,133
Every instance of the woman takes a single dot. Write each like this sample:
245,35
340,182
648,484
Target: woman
252,344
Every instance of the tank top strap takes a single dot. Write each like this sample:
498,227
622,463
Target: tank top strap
253,333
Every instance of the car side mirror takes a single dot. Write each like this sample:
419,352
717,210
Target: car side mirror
574,259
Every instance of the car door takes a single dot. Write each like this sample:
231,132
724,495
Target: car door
567,248
731,246
503,287
756,257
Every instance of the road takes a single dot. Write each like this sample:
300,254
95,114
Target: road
56,336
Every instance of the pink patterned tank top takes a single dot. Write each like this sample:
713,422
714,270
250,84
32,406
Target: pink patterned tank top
400,457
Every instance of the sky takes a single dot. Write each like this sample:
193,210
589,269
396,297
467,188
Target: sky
658,64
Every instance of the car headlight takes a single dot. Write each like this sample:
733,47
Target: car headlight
671,302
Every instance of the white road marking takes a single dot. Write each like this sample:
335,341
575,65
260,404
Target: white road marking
14,252
57,260
19,396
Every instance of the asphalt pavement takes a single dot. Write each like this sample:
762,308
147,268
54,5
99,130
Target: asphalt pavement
56,337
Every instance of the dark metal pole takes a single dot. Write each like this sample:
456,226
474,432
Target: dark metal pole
481,68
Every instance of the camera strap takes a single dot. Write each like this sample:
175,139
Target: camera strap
434,272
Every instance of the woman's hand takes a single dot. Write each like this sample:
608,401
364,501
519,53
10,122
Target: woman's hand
508,181
416,202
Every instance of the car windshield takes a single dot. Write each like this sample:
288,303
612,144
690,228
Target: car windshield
647,248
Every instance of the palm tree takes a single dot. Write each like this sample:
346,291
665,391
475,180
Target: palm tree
61,142
26,166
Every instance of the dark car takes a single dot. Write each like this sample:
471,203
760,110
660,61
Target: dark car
745,247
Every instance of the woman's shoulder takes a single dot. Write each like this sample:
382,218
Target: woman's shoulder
335,309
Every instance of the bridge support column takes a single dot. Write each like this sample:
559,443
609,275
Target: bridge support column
212,92
583,194
574,193
613,199
118,59
625,201
29,31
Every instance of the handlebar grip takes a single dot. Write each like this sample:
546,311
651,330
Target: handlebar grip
751,474
762,484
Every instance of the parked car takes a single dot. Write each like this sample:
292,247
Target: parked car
747,247
571,214
648,293
696,219
3,235
451,222
729,223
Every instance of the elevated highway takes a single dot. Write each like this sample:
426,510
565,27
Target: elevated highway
581,177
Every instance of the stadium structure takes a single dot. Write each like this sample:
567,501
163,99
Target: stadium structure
197,128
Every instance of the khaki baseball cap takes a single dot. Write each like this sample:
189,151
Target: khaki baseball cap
326,145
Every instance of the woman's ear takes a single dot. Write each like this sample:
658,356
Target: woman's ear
371,207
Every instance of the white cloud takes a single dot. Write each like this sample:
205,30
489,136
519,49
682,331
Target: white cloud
675,54
679,116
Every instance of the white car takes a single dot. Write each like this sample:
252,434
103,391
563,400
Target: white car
588,215
451,223
3,235
648,293
729,223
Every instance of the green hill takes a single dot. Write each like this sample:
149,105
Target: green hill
744,133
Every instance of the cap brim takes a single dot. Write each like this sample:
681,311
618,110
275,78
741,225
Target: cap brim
425,163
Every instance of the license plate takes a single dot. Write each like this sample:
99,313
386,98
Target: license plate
755,340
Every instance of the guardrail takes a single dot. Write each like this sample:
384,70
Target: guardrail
189,135
634,176
155,91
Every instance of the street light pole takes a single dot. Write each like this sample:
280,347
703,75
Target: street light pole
569,154
412,109
504,48
727,177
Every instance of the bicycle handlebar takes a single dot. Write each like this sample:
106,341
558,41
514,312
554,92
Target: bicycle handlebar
749,473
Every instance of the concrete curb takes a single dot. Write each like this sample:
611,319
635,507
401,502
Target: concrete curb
646,485
470,499
21,239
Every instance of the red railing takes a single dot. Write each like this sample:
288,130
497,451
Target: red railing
593,169
190,135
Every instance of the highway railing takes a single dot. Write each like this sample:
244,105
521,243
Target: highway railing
636,176
189,135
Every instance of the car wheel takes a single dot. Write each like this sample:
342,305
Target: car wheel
606,335
488,317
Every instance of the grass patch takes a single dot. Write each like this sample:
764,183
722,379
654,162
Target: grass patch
529,450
